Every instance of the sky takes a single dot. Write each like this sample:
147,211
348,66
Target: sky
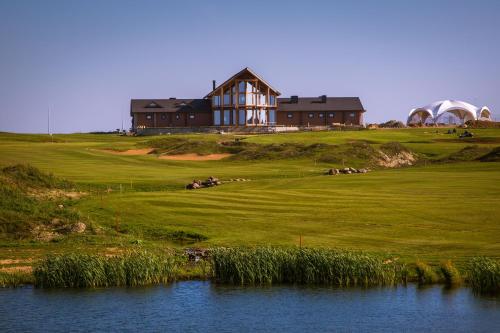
84,60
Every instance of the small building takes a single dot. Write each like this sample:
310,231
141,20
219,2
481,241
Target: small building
245,100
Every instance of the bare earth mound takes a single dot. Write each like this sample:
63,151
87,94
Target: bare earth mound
130,152
194,157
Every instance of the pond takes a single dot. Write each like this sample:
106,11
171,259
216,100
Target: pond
198,306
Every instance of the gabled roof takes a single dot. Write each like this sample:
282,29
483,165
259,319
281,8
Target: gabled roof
246,69
170,105
315,104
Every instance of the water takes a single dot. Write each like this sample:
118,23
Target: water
196,306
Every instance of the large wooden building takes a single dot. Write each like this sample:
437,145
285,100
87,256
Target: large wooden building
245,100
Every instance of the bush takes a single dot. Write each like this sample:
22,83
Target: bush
392,124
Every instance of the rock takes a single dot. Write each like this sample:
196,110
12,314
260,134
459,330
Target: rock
78,227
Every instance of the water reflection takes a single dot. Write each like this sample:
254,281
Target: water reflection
197,306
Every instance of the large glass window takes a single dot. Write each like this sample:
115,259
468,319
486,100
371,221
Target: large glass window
241,86
234,117
227,115
250,117
227,97
262,117
242,99
272,116
241,117
263,100
216,100
216,117
272,100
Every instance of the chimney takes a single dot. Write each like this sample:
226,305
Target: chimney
294,99
323,98
213,85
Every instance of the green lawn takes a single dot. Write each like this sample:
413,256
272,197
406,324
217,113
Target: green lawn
431,211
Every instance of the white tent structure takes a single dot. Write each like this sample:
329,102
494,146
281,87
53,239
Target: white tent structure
433,113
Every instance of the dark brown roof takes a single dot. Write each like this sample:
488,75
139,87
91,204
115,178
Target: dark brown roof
314,104
170,105
247,70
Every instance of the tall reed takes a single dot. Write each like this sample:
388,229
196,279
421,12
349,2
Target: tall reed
450,273
425,273
267,265
83,270
484,275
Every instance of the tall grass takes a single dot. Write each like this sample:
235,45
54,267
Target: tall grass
484,275
14,279
450,273
425,273
83,271
269,265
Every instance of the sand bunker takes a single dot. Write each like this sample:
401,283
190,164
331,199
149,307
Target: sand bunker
194,157
130,152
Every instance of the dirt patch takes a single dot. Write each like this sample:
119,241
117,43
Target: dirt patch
16,269
194,157
397,160
130,152
14,261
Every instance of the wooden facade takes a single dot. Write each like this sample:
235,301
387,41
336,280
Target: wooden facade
245,100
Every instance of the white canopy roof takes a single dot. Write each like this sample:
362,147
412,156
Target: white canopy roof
463,110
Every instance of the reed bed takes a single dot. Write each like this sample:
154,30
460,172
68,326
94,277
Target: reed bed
88,271
267,265
15,279
484,275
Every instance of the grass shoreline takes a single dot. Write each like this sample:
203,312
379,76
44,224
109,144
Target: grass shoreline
253,267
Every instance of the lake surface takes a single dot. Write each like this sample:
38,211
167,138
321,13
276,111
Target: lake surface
196,306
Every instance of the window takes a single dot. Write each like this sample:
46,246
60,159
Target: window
241,86
216,100
272,100
227,116
289,115
217,117
148,117
331,115
321,115
250,117
241,99
311,115
163,116
241,117
272,116
191,116
234,118
263,99
262,116
352,114
177,116
227,97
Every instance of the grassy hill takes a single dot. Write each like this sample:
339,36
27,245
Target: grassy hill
444,206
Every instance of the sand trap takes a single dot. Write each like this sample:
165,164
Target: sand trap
194,157
130,152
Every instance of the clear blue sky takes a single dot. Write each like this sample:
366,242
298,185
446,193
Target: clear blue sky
87,59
